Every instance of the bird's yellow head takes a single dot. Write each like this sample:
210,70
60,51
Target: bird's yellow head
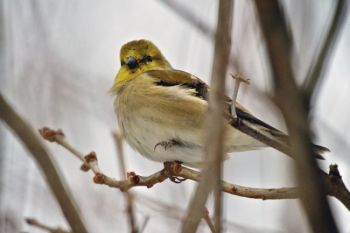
136,57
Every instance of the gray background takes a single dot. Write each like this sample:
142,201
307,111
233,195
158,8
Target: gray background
58,61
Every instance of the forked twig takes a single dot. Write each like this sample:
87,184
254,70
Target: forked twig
36,223
208,220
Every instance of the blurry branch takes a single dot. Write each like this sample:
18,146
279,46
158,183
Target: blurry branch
174,169
208,220
144,224
173,211
36,223
214,154
188,15
290,100
316,70
51,173
334,184
118,138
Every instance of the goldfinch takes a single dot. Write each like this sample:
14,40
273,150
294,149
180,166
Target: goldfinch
161,111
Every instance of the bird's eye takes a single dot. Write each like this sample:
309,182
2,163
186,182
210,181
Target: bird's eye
132,63
147,58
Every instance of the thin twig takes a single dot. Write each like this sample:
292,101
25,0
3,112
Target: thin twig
238,79
36,223
118,138
100,178
173,211
316,70
144,224
290,101
46,163
214,154
208,220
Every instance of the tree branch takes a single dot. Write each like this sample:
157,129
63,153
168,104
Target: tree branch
316,70
47,165
290,101
214,154
208,220
118,138
36,223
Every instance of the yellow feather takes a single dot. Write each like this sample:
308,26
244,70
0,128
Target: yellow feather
139,49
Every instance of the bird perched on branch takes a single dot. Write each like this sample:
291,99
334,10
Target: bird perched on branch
161,111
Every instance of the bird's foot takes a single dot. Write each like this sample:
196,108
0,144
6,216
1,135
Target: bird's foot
171,167
167,144
177,179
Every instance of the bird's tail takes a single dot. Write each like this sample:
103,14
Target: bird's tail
270,135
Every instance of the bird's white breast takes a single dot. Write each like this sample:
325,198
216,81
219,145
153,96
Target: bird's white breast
146,119
150,114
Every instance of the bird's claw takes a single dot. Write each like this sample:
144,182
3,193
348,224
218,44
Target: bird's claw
176,179
166,144
170,166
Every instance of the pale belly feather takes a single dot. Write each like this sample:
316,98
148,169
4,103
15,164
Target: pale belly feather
147,119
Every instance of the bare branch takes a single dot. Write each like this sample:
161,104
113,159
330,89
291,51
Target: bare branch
208,220
238,79
315,73
173,211
212,170
118,138
47,165
144,224
174,169
290,101
334,184
36,223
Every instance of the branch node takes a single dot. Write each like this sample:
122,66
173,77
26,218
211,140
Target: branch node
99,178
50,134
85,167
239,78
31,221
334,173
174,169
133,178
91,157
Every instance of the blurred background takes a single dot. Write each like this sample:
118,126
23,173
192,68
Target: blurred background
59,59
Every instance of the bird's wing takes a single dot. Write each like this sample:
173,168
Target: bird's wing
201,90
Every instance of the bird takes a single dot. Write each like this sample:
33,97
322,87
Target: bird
161,111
